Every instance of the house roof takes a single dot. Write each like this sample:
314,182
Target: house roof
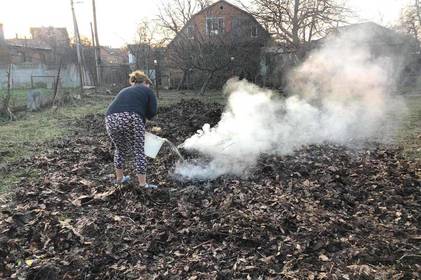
222,2
211,6
113,55
28,43
367,24
135,47
378,33
51,34
113,51
50,30
218,3
374,35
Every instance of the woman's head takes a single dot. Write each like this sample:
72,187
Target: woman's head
139,77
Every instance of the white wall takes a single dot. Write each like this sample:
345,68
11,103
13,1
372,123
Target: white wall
21,75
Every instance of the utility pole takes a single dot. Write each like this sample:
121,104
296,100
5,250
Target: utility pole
95,54
78,47
97,47
156,77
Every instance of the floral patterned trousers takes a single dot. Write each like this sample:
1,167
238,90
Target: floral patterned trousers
127,132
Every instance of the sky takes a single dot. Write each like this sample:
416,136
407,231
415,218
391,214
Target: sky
118,19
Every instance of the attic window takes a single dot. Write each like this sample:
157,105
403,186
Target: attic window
254,31
190,32
221,7
214,25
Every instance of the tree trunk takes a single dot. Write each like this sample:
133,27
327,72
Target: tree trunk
313,21
6,109
206,83
295,25
56,84
7,98
183,80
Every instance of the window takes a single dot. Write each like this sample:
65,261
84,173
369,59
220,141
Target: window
42,58
21,57
190,32
254,31
214,25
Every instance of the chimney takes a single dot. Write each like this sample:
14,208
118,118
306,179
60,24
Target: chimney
1,32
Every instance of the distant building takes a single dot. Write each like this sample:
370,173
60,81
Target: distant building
113,56
401,49
147,58
55,37
223,18
1,34
378,39
44,46
28,51
140,56
221,25
34,61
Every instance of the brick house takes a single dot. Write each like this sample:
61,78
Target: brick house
56,38
141,56
44,46
22,50
113,56
225,34
53,36
114,65
36,59
223,18
28,51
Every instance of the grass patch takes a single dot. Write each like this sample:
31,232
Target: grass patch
168,97
409,135
33,128
18,97
22,138
12,178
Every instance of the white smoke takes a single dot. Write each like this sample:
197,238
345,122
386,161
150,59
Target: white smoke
340,94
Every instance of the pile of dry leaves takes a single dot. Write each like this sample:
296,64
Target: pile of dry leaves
325,212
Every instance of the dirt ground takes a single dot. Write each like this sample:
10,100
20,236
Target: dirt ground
325,212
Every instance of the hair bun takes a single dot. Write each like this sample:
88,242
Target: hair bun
139,77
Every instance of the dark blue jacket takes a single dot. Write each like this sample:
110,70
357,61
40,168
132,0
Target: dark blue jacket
137,99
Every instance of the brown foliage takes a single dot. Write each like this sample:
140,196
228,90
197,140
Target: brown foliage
325,212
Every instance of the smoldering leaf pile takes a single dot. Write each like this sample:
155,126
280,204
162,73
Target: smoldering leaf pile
341,94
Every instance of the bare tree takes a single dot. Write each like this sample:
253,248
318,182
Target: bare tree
216,55
6,100
174,14
297,22
143,45
410,20
148,37
149,40
211,55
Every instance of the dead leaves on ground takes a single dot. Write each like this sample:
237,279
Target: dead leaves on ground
326,212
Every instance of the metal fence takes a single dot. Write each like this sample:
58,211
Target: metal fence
115,74
32,86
